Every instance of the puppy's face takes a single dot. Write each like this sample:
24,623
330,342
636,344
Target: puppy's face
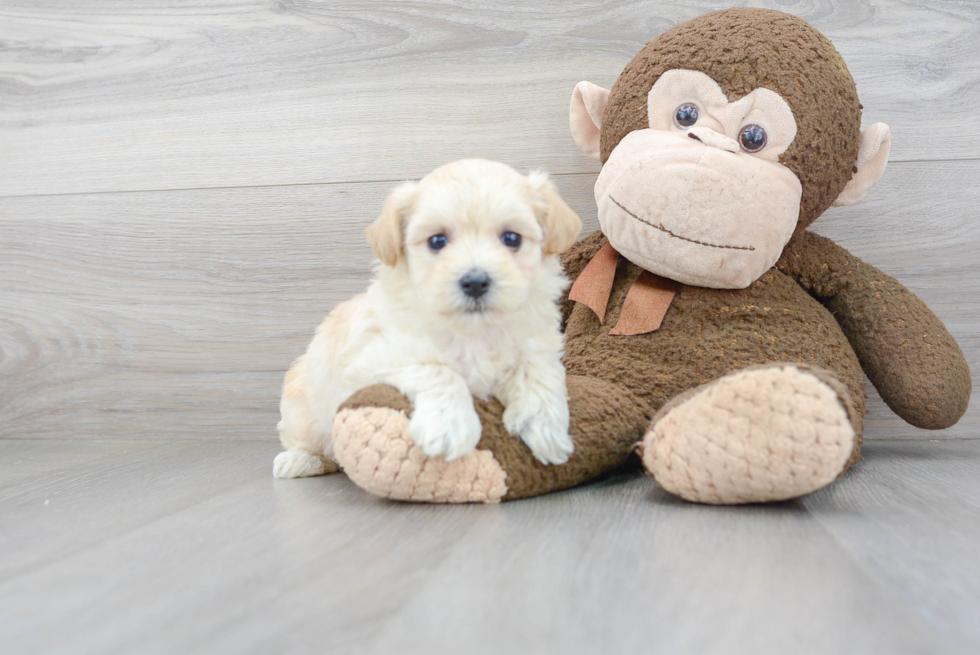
473,236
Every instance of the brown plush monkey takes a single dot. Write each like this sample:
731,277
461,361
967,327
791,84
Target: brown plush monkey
704,319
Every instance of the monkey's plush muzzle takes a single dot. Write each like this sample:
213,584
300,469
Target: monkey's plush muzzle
695,213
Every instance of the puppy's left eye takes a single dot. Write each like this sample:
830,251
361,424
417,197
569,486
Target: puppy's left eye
511,240
438,242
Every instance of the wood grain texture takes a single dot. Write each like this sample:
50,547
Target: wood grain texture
110,96
897,519
192,547
174,314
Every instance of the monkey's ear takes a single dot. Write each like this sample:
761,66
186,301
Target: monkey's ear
585,116
385,234
876,142
560,223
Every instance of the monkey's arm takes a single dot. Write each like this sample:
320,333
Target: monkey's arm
905,350
574,260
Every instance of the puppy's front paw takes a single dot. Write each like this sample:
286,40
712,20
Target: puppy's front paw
544,429
449,430
549,441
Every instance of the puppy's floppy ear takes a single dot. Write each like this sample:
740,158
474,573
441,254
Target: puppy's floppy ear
561,225
386,232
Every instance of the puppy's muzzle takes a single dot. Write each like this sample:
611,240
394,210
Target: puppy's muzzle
475,283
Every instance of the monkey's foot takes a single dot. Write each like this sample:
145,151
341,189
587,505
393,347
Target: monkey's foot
376,450
761,434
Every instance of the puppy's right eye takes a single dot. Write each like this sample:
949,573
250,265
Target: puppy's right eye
438,242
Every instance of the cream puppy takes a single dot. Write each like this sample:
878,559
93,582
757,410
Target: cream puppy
464,304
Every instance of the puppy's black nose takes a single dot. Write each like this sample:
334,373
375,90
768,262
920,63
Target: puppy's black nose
475,283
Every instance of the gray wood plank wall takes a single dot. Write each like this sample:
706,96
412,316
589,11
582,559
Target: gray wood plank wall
183,186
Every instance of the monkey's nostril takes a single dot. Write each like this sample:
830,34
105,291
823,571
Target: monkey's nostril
712,139
475,283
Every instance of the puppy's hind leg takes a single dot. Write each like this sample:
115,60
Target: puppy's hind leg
304,442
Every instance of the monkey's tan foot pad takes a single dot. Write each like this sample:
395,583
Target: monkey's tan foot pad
376,451
761,434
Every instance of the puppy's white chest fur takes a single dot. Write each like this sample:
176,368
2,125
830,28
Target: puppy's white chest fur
482,360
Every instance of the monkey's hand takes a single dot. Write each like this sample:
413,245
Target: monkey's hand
908,354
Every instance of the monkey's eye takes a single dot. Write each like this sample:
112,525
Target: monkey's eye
511,240
686,115
438,242
752,138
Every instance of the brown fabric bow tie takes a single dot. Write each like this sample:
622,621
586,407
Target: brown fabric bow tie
646,302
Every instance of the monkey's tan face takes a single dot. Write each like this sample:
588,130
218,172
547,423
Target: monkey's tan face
693,212
695,188
700,197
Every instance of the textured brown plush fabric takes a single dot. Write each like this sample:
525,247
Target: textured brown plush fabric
915,364
606,422
744,49
708,333
378,395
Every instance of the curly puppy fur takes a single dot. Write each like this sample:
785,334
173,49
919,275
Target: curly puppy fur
456,311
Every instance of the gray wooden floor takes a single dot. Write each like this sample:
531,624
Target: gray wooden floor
192,547
183,190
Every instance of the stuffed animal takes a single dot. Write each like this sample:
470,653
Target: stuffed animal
706,328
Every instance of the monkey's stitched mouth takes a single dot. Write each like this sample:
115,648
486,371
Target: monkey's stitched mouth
677,236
